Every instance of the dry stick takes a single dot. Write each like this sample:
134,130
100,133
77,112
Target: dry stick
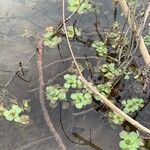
31,144
94,90
70,58
41,95
83,112
127,13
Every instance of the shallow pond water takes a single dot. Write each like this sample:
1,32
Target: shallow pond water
20,21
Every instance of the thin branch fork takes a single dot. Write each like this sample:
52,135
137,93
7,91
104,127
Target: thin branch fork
41,94
137,31
94,90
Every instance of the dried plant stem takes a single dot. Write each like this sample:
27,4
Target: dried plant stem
41,95
68,59
94,90
137,31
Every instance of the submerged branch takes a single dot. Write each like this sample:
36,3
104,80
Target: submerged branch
41,95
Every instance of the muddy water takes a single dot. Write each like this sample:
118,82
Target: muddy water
20,21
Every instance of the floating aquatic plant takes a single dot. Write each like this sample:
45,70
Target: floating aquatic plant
130,141
81,99
13,113
72,31
80,6
132,105
115,118
51,39
54,94
72,81
100,48
104,89
110,71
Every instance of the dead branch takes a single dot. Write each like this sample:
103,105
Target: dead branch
41,94
68,59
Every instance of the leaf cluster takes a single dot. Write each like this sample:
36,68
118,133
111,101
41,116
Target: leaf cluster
72,31
115,118
51,40
72,81
104,89
81,99
81,6
130,141
132,105
110,71
14,114
54,94
100,48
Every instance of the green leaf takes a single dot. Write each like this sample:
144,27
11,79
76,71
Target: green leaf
51,40
87,95
100,48
147,40
72,31
123,134
67,85
17,119
74,96
82,7
79,105
122,144
134,135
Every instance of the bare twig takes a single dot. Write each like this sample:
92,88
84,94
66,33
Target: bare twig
70,58
94,90
83,112
134,27
31,144
57,75
41,95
